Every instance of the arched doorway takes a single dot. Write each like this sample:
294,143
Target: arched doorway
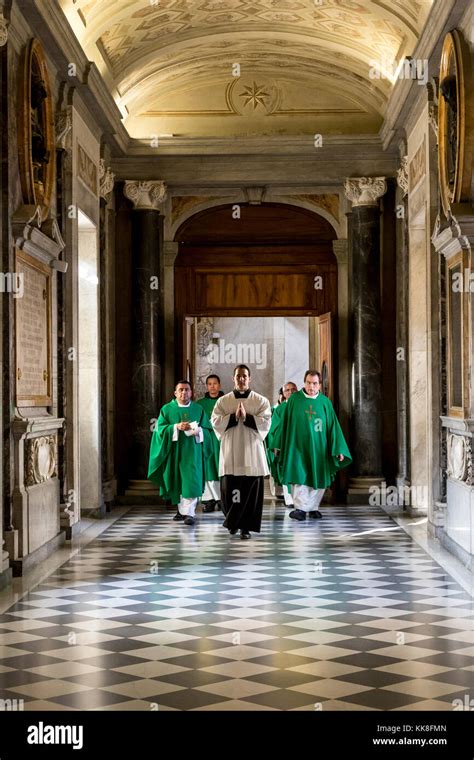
267,260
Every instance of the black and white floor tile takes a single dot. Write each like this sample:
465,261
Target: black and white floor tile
346,613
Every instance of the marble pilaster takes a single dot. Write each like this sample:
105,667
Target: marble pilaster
364,192
147,325
340,248
170,254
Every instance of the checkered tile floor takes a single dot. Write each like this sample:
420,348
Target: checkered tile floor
346,613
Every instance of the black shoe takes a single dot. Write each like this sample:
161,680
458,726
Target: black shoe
189,520
280,498
178,516
244,535
316,515
233,531
208,506
218,506
298,514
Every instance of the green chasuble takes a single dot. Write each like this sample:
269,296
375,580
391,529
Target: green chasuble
211,462
310,440
272,440
177,467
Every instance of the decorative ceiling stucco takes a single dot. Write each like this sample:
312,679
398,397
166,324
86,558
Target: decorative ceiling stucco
305,65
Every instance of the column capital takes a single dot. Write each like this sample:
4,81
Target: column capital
365,191
145,195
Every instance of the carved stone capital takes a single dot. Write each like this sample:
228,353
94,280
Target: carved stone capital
145,195
402,175
3,29
365,191
63,129
106,180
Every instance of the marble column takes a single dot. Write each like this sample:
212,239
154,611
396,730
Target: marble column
364,192
403,395
6,253
107,336
147,326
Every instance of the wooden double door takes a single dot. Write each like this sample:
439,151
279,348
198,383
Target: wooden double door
274,261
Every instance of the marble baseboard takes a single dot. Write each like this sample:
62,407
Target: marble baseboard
6,578
139,501
74,530
30,561
454,548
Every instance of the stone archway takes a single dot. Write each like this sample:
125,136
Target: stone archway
273,251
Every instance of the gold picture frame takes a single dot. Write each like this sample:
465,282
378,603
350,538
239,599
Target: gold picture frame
36,142
457,338
455,122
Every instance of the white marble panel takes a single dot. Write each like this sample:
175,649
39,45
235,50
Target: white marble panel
275,348
460,500
88,360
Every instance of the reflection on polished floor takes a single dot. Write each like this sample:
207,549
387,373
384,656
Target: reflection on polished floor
346,613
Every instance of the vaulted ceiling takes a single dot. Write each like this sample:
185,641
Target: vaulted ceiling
248,67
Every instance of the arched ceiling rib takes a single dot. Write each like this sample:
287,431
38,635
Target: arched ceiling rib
303,63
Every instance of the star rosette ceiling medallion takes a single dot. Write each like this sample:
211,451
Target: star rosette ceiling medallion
253,95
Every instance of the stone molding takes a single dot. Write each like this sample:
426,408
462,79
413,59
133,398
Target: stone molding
3,29
63,129
106,180
402,175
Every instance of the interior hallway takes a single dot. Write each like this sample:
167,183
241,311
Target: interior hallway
347,613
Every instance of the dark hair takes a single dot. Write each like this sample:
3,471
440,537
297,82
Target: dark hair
312,372
241,366
210,377
183,382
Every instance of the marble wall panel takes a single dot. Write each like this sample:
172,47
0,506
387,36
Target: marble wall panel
279,347
458,515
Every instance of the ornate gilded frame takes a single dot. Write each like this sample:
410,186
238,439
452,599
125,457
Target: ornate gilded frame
36,125
455,63
460,259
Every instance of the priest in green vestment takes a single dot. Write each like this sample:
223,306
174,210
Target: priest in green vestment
211,498
273,450
312,447
181,438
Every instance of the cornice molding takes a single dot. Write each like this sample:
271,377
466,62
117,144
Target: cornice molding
49,21
443,16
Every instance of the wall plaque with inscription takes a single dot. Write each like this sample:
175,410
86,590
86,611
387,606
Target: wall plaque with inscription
33,332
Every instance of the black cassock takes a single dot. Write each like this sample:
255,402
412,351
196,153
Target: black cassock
242,502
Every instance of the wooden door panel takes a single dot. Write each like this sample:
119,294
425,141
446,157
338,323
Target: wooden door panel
233,291
326,354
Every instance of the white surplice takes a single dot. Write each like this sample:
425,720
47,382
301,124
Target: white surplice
242,448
